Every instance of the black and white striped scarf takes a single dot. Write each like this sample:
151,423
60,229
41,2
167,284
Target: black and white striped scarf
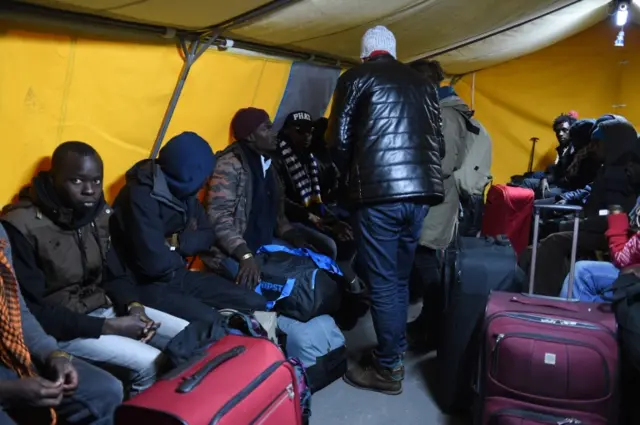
307,185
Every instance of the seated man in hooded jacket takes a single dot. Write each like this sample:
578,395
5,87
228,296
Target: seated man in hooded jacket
159,222
616,183
59,231
245,200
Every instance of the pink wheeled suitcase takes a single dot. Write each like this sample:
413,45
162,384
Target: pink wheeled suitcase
548,360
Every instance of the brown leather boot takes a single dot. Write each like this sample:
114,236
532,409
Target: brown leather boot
372,377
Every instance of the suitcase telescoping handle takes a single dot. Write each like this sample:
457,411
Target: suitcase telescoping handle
190,382
534,250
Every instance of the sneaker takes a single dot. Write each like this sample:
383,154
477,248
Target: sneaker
375,378
418,338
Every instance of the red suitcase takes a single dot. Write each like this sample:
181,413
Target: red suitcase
546,357
240,381
507,211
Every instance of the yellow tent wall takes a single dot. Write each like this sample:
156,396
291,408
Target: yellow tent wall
519,99
113,95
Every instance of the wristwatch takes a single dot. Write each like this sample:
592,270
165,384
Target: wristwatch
59,353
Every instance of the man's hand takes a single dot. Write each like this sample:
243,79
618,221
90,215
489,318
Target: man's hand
36,391
128,326
62,371
315,220
343,231
561,202
249,273
631,270
137,310
544,187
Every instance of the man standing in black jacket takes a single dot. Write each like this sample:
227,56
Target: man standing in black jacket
385,128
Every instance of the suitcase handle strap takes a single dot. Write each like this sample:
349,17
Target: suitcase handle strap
192,381
542,301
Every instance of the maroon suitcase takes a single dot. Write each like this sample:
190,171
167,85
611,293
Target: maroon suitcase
548,360
507,211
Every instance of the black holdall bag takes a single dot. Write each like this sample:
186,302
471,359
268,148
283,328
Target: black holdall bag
299,283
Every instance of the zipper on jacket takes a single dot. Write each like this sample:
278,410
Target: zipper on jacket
495,353
536,416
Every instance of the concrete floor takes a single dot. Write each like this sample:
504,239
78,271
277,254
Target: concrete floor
341,404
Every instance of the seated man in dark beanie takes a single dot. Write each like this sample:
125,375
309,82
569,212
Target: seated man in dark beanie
245,200
159,222
299,170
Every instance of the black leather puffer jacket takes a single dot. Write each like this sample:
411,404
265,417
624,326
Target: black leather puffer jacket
386,132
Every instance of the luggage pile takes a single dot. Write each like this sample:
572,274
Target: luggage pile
548,359
517,357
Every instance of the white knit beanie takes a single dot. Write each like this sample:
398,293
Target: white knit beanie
378,38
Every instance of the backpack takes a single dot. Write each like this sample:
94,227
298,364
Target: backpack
475,172
299,283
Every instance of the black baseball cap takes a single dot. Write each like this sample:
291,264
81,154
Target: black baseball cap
301,120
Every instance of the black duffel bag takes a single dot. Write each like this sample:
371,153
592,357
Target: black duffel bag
299,283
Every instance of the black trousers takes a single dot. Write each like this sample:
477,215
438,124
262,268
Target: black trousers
192,294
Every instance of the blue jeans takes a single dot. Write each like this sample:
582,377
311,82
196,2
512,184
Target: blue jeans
591,278
387,238
93,402
136,363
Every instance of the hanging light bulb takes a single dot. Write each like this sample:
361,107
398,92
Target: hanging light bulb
622,15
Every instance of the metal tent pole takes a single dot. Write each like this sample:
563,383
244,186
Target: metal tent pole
191,53
197,48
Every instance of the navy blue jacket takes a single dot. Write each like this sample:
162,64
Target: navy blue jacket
147,217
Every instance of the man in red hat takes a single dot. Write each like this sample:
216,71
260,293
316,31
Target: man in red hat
245,201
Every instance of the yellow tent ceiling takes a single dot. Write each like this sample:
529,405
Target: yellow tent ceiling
465,35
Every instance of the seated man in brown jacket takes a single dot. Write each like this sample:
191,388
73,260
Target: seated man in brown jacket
59,231
245,200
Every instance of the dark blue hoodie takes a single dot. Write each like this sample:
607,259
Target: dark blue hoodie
158,201
187,161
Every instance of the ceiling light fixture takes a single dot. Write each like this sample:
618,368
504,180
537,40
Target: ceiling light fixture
622,14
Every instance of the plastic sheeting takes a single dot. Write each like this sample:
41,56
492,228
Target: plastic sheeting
518,100
113,96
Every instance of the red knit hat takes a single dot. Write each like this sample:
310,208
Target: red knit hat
246,121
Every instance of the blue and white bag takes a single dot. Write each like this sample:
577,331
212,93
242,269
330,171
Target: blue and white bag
319,345
299,283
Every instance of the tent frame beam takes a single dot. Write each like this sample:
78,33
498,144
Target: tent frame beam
63,21
196,48
191,51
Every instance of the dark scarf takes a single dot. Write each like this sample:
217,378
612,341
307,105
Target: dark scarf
306,183
264,205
